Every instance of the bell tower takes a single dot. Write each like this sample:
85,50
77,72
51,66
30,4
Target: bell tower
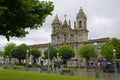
81,26
56,27
65,34
81,19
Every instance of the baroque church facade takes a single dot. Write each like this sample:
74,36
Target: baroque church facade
64,34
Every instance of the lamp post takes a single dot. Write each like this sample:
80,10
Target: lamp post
115,66
7,60
95,62
95,53
30,59
27,53
48,58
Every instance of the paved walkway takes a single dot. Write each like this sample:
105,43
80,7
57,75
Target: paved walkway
104,76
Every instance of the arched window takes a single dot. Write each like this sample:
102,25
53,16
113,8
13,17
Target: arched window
80,24
72,37
65,37
84,23
53,40
81,37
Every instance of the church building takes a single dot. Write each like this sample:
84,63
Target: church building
65,34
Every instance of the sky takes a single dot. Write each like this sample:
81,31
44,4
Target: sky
103,20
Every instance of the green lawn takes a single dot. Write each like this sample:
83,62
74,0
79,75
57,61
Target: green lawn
22,75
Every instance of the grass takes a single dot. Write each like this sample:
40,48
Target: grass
22,75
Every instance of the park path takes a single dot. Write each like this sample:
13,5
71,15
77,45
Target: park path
101,75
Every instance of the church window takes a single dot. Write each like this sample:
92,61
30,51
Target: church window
81,37
65,37
58,36
84,23
80,24
72,37
53,39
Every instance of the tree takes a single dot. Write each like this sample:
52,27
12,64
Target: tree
8,49
17,15
116,44
66,52
52,51
35,53
20,52
86,51
107,51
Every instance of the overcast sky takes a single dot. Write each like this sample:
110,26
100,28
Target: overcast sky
103,20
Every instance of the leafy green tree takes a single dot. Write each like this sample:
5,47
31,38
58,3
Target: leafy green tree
20,52
52,51
17,15
86,51
8,49
35,53
107,51
116,44
66,52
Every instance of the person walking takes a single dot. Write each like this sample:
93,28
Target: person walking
41,65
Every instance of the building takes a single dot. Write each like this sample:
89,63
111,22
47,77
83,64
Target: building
1,57
65,34
41,47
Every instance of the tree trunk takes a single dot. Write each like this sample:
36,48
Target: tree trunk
19,61
34,61
87,67
65,63
9,60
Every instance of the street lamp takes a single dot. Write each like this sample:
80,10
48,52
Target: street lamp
48,58
114,62
7,60
57,55
95,54
27,53
30,59
58,58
